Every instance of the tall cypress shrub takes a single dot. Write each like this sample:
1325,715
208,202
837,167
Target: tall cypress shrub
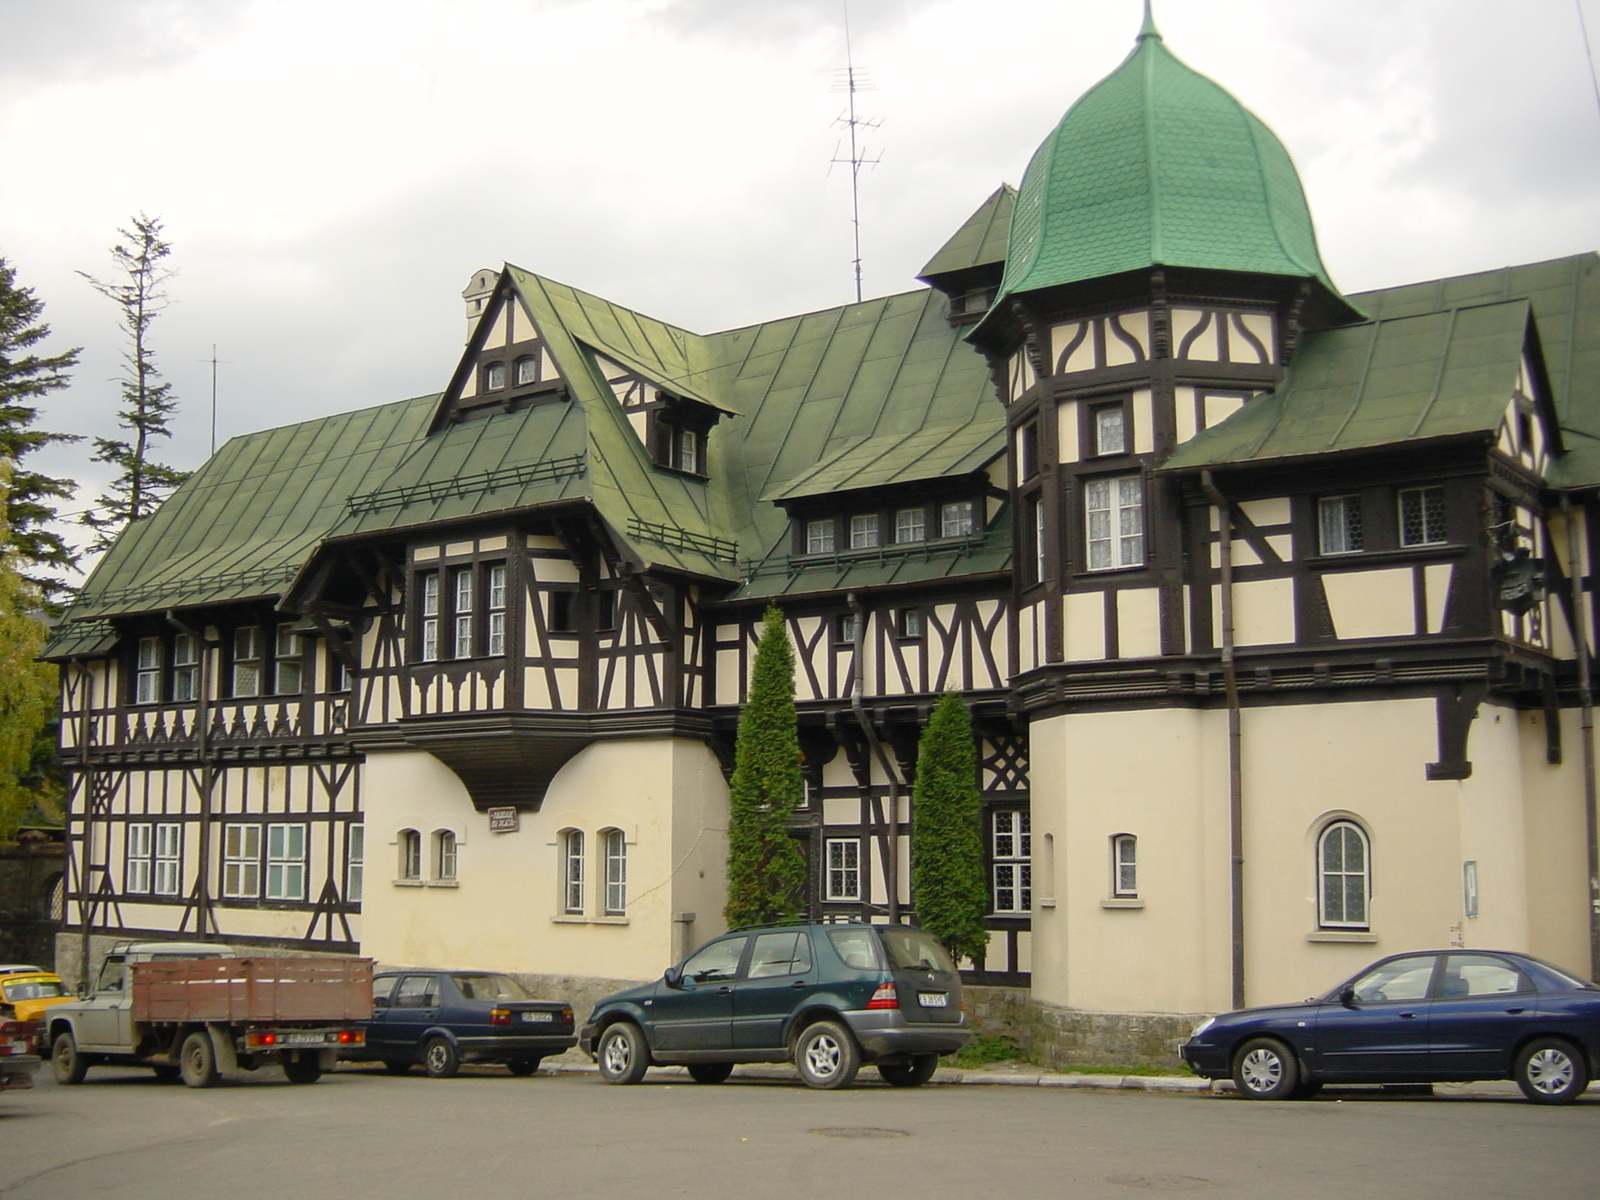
949,889
766,873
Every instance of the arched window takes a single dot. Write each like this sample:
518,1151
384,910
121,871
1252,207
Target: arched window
410,854
494,377
444,855
526,370
1125,866
572,871
616,850
1344,876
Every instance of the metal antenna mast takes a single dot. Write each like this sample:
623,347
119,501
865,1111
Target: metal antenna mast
850,81
213,360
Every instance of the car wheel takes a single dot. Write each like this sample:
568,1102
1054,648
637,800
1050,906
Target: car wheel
1265,1069
827,1057
913,1073
303,1066
69,1066
1551,1071
623,1056
198,1060
523,1066
439,1058
710,1072
167,1074
397,1066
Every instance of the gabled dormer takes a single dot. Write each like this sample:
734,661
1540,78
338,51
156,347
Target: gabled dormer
507,364
673,428
968,267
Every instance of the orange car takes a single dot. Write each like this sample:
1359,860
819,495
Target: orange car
24,996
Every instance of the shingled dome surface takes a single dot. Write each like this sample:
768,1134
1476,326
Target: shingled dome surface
1157,165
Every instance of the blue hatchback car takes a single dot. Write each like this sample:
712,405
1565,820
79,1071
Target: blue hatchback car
1424,1017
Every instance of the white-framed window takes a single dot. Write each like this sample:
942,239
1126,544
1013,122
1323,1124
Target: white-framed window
1012,852
1028,463
844,869
286,862
167,879
1113,511
910,525
845,628
494,377
410,854
1344,876
819,536
1125,866
863,531
289,661
147,680
338,673
428,641
247,660
495,606
1422,520
461,641
185,667
136,861
241,862
354,861
910,623
1339,524
572,871
444,855
685,449
955,519
616,851
1110,423
526,370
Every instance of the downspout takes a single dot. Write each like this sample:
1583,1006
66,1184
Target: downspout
890,769
1230,681
202,745
85,909
1580,639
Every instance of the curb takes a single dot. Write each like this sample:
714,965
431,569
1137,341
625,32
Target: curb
1128,1083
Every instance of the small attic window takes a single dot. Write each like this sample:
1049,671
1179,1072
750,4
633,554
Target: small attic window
678,436
526,370
494,377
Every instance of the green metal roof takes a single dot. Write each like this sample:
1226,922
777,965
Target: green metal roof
1158,165
981,240
1435,374
931,452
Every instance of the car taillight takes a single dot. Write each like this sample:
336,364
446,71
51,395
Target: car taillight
262,1039
566,1015
500,1016
885,997
352,1036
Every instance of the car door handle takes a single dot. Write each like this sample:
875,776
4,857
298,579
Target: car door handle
724,991
1407,1016
799,983
1515,1011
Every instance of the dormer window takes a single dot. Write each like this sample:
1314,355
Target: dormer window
955,519
904,526
494,377
910,525
863,531
678,435
686,450
526,370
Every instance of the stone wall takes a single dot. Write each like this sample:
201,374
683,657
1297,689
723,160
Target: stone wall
29,870
1063,1038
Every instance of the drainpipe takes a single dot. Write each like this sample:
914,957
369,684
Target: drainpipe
1580,639
1230,680
202,745
890,769
86,790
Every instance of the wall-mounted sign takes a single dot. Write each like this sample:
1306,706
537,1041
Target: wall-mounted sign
504,820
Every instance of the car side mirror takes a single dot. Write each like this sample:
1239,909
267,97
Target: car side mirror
1348,997
672,977
380,1002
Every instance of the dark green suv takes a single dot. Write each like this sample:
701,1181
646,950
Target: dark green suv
824,997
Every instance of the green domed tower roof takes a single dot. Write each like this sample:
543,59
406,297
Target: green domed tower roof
1158,166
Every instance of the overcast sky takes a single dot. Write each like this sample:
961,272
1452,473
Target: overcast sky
330,172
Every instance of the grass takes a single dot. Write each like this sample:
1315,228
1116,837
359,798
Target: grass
983,1051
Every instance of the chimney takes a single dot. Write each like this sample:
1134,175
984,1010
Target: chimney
476,294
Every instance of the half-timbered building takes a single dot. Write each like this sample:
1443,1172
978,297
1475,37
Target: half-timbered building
1272,606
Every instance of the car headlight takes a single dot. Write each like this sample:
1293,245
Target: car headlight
1203,1026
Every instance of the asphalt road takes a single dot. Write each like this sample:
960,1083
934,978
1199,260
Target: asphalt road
488,1136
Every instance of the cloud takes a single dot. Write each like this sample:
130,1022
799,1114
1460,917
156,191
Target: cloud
64,39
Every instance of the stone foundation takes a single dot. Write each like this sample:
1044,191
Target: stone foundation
1063,1038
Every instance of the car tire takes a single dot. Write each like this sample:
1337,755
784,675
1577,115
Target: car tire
622,1053
710,1072
1552,1071
68,1065
913,1073
1266,1069
198,1061
826,1056
524,1066
304,1066
439,1058
167,1074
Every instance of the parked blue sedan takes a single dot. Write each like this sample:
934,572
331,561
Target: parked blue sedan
1430,1017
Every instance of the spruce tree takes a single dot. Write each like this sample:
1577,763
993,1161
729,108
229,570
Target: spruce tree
766,873
27,693
947,878
139,290
26,377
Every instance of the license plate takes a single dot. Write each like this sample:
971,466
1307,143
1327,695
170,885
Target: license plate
544,1017
300,1039
933,999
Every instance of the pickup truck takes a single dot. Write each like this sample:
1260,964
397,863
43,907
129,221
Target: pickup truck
18,1061
195,1010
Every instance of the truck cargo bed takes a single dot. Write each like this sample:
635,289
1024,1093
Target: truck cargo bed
265,989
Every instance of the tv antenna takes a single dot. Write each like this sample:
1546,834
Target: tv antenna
850,80
214,360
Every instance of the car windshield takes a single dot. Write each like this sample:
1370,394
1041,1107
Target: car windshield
915,950
34,989
490,987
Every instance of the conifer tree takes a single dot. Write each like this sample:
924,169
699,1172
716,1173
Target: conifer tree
25,378
27,691
766,873
139,290
947,878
